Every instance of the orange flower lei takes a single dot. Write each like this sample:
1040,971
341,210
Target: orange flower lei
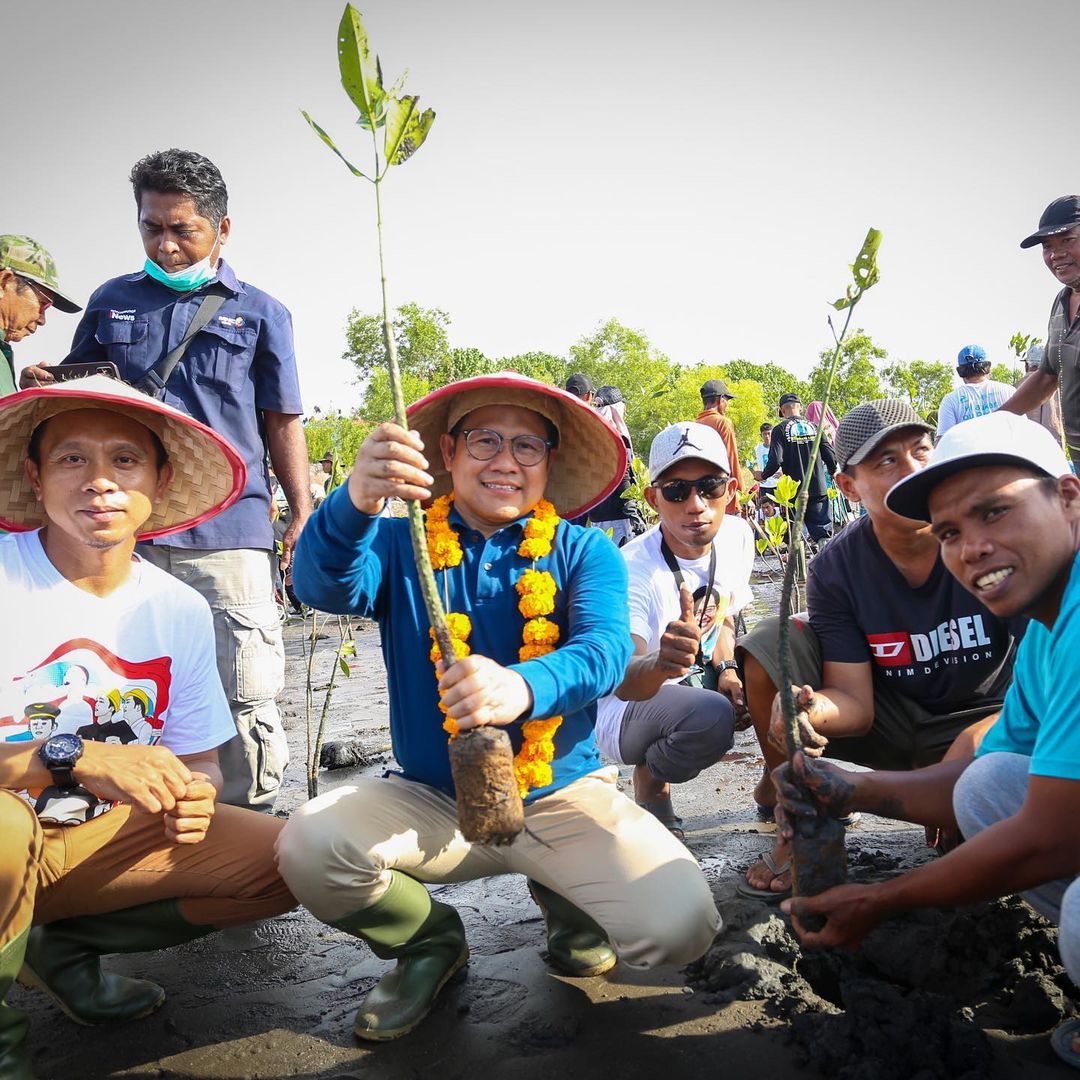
536,589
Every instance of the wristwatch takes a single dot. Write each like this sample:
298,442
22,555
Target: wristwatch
60,755
726,665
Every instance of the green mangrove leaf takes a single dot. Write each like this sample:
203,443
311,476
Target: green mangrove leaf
361,73
785,491
414,132
330,142
344,665
776,527
761,544
832,493
865,268
399,111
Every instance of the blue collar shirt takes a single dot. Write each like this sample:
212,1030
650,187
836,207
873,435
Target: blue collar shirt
350,563
242,363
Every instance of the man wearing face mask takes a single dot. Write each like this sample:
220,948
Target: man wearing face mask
187,330
977,395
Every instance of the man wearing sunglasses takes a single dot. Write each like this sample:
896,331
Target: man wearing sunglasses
28,288
666,718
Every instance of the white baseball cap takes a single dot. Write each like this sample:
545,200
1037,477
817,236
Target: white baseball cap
999,438
687,440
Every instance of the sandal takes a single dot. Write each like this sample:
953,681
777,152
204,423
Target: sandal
769,896
664,812
1062,1042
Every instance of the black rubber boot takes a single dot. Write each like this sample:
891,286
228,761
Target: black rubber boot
64,960
577,944
14,1054
427,940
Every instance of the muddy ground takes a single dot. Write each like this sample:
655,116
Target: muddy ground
970,994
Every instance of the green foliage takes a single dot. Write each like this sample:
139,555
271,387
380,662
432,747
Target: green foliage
640,480
336,434
785,491
921,382
423,343
774,379
864,271
856,377
1021,344
1006,373
747,412
542,366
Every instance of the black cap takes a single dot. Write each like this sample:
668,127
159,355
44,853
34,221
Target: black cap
765,427
1060,216
608,395
716,388
580,385
790,399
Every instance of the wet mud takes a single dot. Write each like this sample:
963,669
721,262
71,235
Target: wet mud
916,1000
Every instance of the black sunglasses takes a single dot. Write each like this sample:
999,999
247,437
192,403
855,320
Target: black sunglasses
708,487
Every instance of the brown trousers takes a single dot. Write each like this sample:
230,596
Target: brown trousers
123,859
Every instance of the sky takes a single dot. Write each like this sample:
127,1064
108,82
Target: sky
702,170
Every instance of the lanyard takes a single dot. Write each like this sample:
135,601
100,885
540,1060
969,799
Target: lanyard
677,573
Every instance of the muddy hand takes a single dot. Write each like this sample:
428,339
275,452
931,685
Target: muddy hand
808,788
813,742
850,912
390,462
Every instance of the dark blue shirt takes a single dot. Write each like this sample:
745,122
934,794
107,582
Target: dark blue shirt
350,563
242,363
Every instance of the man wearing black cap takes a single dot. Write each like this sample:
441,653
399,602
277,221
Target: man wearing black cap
895,661
581,386
1059,235
789,453
715,396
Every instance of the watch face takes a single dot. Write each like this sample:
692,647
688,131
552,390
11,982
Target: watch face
63,748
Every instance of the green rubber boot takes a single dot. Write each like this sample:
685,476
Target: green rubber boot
577,944
426,939
64,960
14,1055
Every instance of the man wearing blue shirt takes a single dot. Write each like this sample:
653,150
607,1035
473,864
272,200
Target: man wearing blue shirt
238,376
609,878
1005,509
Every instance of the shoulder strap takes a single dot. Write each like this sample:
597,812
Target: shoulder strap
158,375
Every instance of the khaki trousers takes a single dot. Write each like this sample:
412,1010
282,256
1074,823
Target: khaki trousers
589,843
239,587
122,859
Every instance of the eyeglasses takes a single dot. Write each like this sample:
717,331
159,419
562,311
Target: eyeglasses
484,444
43,298
708,487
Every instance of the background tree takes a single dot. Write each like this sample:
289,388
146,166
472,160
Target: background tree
773,379
922,382
334,433
1006,373
423,343
857,377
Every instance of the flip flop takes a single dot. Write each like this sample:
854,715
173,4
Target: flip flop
769,896
1061,1041
664,812
768,813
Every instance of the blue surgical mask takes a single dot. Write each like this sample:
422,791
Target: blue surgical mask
190,278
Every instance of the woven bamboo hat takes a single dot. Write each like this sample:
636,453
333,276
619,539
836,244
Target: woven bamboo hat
208,473
592,456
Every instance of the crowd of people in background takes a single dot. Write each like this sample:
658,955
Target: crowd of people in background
159,478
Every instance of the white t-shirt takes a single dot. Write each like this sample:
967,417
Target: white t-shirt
970,400
136,666
654,601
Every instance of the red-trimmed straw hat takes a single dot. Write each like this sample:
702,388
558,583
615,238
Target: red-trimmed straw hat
208,473
592,456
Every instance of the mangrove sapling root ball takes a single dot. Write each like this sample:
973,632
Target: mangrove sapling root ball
818,860
490,810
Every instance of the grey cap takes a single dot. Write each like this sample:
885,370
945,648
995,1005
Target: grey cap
863,429
715,388
687,440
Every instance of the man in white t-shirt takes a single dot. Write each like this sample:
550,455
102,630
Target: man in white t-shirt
113,840
977,394
689,577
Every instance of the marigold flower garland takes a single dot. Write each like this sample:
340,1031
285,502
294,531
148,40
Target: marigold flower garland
536,589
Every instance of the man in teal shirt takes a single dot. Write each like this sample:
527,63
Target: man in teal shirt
1005,508
541,608
28,288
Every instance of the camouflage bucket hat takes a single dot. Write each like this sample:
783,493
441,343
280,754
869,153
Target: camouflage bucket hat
27,258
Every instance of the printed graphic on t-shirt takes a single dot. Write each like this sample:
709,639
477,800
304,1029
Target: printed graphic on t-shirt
958,641
82,688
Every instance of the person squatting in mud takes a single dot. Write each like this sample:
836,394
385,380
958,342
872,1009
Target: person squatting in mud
896,665
1005,510
506,459
111,846
674,712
